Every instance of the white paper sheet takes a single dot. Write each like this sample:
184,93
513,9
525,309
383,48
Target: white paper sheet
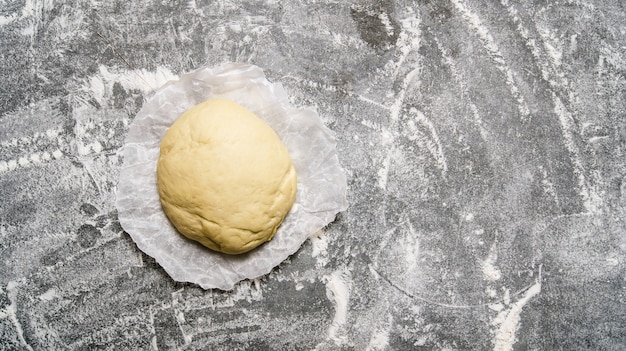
321,180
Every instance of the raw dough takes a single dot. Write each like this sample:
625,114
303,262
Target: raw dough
225,179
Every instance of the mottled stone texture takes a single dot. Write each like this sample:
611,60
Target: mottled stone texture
484,143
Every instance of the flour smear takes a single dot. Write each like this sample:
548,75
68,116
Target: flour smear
338,286
101,84
508,321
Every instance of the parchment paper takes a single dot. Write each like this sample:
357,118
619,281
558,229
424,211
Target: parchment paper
321,180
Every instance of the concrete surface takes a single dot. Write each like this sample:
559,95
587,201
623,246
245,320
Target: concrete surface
484,143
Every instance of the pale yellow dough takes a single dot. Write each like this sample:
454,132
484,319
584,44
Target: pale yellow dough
225,179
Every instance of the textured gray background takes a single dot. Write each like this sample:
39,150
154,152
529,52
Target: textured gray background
484,143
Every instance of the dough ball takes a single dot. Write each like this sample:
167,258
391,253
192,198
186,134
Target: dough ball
224,177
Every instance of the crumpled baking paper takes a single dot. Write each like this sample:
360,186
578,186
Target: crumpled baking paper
321,180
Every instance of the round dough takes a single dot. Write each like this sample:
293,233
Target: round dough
224,177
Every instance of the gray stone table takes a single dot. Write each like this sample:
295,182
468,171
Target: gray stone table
484,144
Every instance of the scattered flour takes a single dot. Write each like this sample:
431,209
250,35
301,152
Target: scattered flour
10,312
49,137
31,9
380,339
320,248
408,41
99,87
495,54
589,195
